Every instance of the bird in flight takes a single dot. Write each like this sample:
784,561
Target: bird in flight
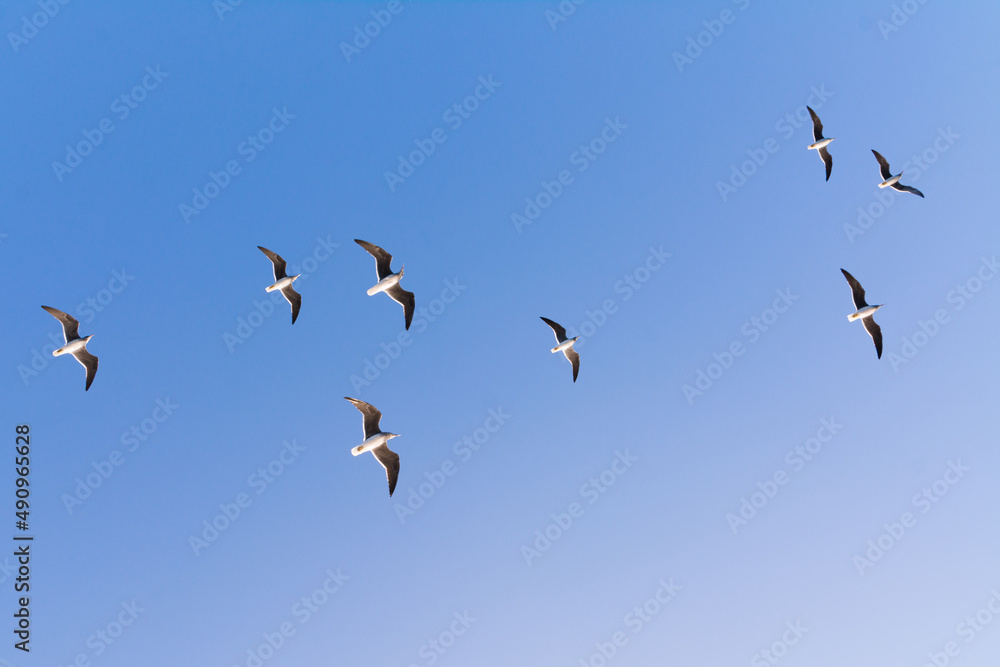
283,282
565,345
388,281
376,442
864,312
820,143
890,181
74,344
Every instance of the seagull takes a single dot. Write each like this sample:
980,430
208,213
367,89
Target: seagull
890,180
74,344
283,282
376,442
821,143
565,345
388,281
864,312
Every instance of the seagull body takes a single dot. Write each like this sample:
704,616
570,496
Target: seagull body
864,312
388,281
820,143
283,282
565,345
376,442
890,181
74,344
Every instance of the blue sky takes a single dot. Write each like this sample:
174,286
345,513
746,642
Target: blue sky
634,171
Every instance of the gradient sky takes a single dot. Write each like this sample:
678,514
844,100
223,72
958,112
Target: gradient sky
635,142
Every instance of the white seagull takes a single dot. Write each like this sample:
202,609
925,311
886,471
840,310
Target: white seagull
283,282
890,181
820,143
388,281
864,312
74,344
565,346
376,442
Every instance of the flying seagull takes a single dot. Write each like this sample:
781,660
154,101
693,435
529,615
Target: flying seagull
821,143
283,282
565,346
890,181
864,312
376,442
388,281
74,344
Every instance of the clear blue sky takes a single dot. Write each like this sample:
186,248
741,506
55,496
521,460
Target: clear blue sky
257,126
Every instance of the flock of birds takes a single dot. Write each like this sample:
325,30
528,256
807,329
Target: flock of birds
376,440
864,311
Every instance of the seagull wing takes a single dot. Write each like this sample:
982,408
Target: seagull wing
875,332
883,166
906,188
390,461
89,362
574,358
70,325
560,332
405,299
857,290
293,298
827,160
279,263
371,414
817,125
382,258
